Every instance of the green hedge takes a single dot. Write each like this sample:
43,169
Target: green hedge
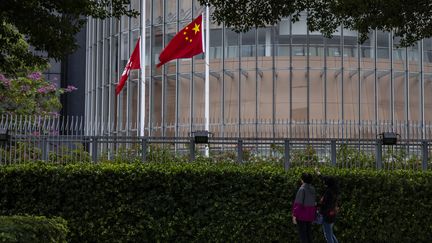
212,202
32,229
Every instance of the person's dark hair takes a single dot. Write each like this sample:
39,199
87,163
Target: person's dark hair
306,178
332,184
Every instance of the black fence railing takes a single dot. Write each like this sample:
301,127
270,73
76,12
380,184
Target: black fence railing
346,144
347,153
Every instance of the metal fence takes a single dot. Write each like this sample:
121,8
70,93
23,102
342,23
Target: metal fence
65,140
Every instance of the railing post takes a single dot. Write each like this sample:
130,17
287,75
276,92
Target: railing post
333,151
94,149
378,149
287,155
143,149
86,143
192,149
44,149
240,151
425,156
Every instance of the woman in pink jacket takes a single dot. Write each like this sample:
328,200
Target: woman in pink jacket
304,208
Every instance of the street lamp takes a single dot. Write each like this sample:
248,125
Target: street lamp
201,136
389,138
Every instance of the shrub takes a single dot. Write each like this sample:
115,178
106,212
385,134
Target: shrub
29,95
226,202
32,229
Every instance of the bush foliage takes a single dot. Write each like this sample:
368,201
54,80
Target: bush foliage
34,229
196,202
30,95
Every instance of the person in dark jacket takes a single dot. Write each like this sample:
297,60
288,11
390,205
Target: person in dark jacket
328,206
304,208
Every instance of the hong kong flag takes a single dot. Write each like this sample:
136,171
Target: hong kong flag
186,43
133,63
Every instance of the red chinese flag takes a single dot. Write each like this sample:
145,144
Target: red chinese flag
187,43
133,63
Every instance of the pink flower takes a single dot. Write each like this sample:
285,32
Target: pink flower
51,87
35,76
25,88
6,83
42,90
70,88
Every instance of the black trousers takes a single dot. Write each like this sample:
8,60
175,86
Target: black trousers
305,231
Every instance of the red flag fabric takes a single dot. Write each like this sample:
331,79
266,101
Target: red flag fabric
187,43
133,63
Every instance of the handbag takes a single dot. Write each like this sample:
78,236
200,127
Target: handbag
319,219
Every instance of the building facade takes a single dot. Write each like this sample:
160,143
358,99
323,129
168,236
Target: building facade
277,81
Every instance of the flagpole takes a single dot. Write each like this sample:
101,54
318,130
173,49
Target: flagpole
207,74
142,103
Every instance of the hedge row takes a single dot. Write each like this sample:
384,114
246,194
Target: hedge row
212,202
34,229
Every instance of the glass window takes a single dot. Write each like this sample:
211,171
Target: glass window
383,45
157,12
106,64
124,50
114,59
216,43
170,11
427,49
156,47
414,56
265,41
231,44
125,23
185,7
116,25
248,44
135,4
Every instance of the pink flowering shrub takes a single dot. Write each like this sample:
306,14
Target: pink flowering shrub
30,95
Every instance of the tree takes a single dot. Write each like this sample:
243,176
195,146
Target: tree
49,26
16,56
30,95
409,19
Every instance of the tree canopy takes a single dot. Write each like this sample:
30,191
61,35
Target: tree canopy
30,94
49,26
409,19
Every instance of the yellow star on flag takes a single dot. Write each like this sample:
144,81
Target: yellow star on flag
196,28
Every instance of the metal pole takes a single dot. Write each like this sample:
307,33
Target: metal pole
333,152
240,151
142,103
287,155
425,156
94,149
379,154
44,149
143,149
192,149
207,76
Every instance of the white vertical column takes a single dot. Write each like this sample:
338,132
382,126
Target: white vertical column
142,94
422,93
207,76
267,43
